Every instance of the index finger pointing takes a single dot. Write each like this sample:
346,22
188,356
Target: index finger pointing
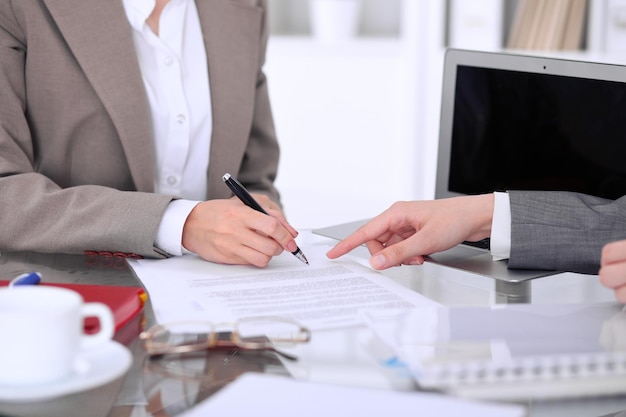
368,232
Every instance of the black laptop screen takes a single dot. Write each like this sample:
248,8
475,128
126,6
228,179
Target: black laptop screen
531,131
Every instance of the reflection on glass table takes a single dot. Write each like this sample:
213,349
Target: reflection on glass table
174,383
253,333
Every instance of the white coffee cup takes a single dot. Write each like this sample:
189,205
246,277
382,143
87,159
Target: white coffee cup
42,333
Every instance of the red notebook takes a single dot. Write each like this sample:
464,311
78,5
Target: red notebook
124,302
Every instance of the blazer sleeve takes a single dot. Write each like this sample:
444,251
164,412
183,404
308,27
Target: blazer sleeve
37,211
563,231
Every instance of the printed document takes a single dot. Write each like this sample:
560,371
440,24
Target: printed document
322,295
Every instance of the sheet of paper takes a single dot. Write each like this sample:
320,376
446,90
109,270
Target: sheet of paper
325,294
281,396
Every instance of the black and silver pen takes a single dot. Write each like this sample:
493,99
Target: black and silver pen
240,191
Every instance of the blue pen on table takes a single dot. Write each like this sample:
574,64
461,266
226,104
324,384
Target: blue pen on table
29,278
240,191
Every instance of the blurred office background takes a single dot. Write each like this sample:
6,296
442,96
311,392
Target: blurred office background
355,87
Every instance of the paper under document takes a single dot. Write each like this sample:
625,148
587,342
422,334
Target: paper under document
262,394
325,294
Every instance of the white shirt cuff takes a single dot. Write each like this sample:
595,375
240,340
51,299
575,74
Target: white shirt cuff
501,227
170,234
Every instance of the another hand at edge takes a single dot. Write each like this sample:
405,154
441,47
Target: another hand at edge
612,272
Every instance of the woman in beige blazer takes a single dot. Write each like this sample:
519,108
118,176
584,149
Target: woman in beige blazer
76,148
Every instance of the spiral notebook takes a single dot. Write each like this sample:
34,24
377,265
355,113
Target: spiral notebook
511,352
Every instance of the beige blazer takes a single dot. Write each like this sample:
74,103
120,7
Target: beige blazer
76,148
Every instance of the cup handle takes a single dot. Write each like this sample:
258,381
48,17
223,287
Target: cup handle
106,328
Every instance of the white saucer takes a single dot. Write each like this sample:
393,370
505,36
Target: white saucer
95,367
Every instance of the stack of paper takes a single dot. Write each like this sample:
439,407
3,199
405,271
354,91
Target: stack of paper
260,395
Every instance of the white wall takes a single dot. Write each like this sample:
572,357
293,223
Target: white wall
342,130
357,120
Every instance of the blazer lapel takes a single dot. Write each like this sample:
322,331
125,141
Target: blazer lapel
98,33
231,35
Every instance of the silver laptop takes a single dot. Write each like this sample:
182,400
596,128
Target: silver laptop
511,121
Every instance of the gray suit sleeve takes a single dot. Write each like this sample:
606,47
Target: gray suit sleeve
563,231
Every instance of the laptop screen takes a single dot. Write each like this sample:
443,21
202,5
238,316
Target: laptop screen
531,123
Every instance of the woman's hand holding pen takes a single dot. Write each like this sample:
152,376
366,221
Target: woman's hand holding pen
229,232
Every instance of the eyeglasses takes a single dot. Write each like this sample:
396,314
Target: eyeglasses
254,333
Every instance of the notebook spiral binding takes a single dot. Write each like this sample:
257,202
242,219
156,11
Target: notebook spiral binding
531,368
